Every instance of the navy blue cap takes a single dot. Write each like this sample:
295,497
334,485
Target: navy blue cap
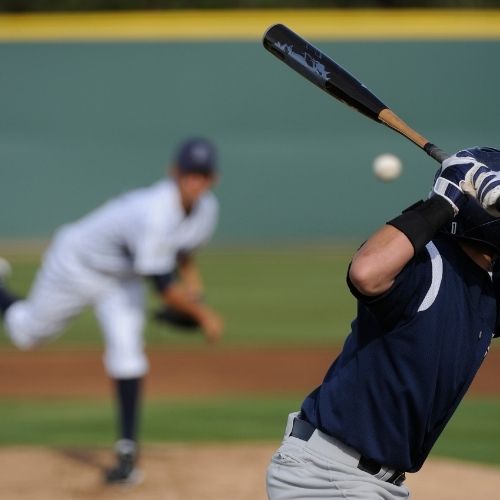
196,155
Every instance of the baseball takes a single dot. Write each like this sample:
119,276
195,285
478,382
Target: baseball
387,167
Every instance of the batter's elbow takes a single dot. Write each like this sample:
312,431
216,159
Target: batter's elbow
365,278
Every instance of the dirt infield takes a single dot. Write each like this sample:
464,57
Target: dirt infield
199,372
200,472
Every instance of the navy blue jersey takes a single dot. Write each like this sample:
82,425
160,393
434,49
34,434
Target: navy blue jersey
411,356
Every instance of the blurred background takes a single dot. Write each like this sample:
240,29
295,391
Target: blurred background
94,97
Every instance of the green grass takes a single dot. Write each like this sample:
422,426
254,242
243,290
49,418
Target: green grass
273,296
473,434
82,423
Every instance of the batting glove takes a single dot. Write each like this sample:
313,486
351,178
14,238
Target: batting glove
480,181
461,175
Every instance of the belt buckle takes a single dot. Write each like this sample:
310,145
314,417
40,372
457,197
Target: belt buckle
399,479
374,468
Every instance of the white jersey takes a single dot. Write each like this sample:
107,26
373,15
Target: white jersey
99,260
142,231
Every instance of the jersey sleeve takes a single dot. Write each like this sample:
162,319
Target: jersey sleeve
162,282
401,302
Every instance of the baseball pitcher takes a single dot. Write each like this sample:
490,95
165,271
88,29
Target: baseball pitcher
101,260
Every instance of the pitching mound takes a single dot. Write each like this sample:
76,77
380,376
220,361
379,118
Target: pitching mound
199,472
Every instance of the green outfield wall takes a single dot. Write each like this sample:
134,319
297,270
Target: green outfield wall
82,120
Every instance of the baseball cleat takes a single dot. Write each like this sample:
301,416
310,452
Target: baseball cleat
125,471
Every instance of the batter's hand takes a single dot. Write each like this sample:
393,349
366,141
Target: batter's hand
453,179
462,174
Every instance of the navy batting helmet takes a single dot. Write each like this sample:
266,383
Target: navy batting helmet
473,223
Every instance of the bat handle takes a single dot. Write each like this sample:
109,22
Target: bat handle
434,152
389,118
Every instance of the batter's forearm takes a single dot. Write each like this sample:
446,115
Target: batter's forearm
377,263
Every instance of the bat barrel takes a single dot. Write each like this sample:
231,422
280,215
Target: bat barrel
319,69
329,76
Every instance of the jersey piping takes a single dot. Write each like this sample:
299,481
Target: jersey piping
437,277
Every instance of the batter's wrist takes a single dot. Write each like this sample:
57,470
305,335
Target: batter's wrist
420,222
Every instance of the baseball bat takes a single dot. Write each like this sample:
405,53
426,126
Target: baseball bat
318,68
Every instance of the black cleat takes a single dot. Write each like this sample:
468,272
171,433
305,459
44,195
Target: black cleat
125,471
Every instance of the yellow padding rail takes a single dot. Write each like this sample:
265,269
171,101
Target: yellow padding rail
250,24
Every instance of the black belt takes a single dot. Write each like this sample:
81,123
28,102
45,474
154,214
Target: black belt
303,430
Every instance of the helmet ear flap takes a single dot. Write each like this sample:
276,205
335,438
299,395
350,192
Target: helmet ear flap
475,225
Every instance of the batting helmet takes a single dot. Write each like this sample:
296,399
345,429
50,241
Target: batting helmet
473,223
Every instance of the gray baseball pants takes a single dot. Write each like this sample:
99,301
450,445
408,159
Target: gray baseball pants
324,468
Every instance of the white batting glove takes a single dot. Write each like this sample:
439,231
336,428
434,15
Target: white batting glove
478,181
452,183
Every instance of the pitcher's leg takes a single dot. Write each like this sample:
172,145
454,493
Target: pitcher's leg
121,315
50,304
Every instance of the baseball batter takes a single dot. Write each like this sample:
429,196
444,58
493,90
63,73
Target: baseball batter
100,261
427,311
